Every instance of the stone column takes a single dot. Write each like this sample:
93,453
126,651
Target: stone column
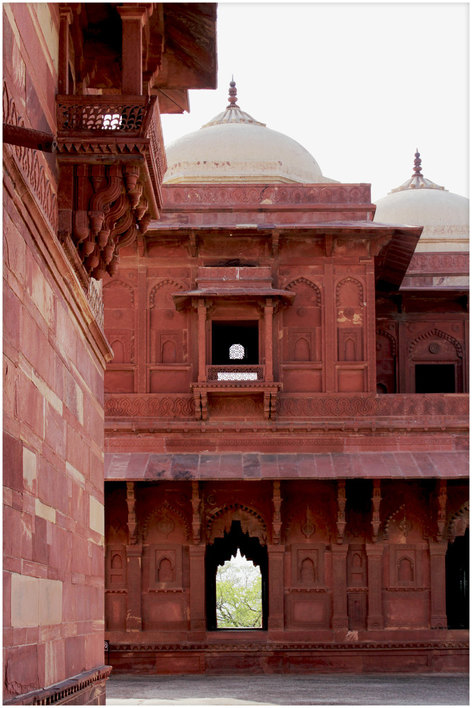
133,555
437,560
276,586
268,327
374,553
339,556
134,620
202,314
65,15
197,588
132,18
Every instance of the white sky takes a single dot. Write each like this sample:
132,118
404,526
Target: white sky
359,85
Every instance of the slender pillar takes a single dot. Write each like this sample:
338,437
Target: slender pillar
197,588
65,15
132,18
276,586
374,553
202,314
339,555
437,561
133,554
268,327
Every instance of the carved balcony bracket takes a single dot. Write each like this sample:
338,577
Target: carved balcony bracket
112,162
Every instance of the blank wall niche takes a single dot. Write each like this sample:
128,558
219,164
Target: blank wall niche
302,338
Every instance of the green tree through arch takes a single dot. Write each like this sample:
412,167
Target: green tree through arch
238,594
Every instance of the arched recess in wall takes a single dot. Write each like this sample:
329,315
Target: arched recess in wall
303,322
167,327
233,527
386,363
457,570
435,363
350,319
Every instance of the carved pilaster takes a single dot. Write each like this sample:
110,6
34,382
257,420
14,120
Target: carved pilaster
437,557
442,503
341,514
277,517
374,553
131,502
196,512
376,499
276,586
268,327
340,618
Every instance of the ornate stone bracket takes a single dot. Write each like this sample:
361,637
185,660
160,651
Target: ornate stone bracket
112,162
269,391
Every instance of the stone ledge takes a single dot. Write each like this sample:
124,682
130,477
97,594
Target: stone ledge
87,688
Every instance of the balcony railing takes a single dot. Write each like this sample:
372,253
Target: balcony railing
123,125
233,372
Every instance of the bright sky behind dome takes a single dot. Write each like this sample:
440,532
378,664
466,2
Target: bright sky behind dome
359,85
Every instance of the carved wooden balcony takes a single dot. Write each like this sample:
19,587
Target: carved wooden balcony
112,161
235,379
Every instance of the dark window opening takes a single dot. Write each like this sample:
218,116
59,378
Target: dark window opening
222,550
435,378
226,335
457,583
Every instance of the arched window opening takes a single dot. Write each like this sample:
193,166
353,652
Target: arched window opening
236,592
457,583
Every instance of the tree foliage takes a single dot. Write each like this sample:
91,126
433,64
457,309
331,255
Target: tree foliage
238,595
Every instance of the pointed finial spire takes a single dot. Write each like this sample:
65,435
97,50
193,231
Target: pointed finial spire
233,93
417,167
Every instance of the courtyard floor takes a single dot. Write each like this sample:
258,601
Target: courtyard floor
290,689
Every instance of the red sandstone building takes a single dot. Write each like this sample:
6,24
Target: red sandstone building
83,88
285,374
289,378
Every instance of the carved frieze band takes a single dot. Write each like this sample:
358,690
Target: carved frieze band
334,406
30,165
150,406
209,195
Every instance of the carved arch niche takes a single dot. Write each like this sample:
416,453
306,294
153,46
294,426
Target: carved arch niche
350,315
167,330
386,346
119,306
435,363
167,326
303,323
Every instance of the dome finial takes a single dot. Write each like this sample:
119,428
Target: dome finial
233,93
417,167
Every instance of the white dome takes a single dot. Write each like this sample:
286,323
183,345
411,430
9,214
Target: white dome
233,147
420,202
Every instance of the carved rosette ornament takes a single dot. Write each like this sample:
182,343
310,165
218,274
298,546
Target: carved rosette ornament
112,162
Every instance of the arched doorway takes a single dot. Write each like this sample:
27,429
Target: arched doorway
221,550
457,582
